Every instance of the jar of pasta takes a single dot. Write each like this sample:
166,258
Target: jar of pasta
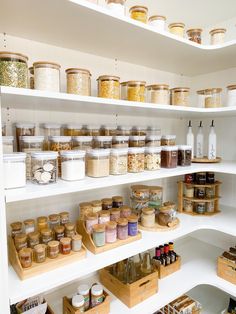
217,36
139,13
158,22
98,163
102,142
136,159
109,86
213,97
78,81
152,158
177,29
120,141
180,96
50,129
153,141
137,141
158,94
133,90
73,130
118,161
47,76
44,167
82,142
24,129
195,35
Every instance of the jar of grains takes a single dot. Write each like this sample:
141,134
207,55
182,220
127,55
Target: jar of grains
111,232
177,29
231,95
119,161
78,81
73,165
109,86
158,94
136,159
44,167
98,163
82,143
91,130
90,221
73,130
152,158
184,155
50,129
108,130
158,22
123,130
180,96
195,35
99,235
26,257
117,201
85,208
139,13
213,97
104,216
106,203
120,141
24,129
148,217
122,228
13,69
217,36
137,141
40,253
47,76
116,6
169,156
168,140
139,131
153,141
4,129
14,170
7,144
133,90
102,142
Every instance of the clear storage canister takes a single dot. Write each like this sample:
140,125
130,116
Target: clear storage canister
108,130
44,167
109,86
152,158
184,155
168,140
50,129
217,36
137,141
136,159
158,94
152,130
231,95
78,81
116,6
24,129
180,96
133,90
139,130
91,130
4,127
14,170
158,22
118,161
98,163
177,29
153,140
73,165
195,35
7,144
120,141
123,130
169,156
47,76
139,13
102,142
73,130
58,144
13,69
201,98
82,142
213,97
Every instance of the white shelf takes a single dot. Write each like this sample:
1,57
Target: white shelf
113,36
223,222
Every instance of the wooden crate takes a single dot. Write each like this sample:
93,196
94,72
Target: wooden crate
103,308
49,310
39,268
165,271
88,241
130,294
226,270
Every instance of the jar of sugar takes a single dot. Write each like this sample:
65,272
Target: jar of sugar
14,170
72,165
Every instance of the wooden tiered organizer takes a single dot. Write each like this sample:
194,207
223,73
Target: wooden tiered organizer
181,198
226,270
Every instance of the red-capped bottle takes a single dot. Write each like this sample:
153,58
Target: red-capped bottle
163,261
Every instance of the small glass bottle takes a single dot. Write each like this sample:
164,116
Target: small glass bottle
130,271
25,256
132,225
29,225
90,221
122,228
65,245
20,241
16,228
111,232
64,216
76,242
69,230
115,214
85,292
59,232
117,201
42,222
104,216
33,239
106,203
146,266
46,235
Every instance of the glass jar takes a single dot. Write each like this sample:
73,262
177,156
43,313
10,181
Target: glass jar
90,221
217,36
44,167
120,141
152,130
158,94
139,13
168,140
64,217
177,29
50,129
210,177
82,142
58,143
200,192
116,6
14,170
152,158
84,290
180,96
166,215
16,228
231,95
118,161
47,76
96,206
139,131
65,246
117,201
7,144
123,130
73,165
210,207
77,302
99,235
156,194
42,223
201,178
138,205
40,253
153,141
188,206
132,225
78,81
97,295
108,130
122,228
125,211
54,221
109,86
158,22
76,242
4,129
98,163
213,97
195,35
29,225
46,235
210,192
115,214
136,159
53,249
70,230
102,142
140,192
184,155
201,98
33,239
25,256
133,91
200,208
31,78
91,130
29,145
169,156
24,129
20,241
73,130
59,232
137,141
13,69
104,216
111,232
85,208
148,217
188,191
106,203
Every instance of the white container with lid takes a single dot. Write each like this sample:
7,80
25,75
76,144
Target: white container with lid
153,140
137,141
78,302
119,161
82,142
72,165
7,144
102,142
152,130
116,6
123,130
44,167
84,291
120,141
51,129
14,170
152,158
72,129
98,163
168,140
91,130
157,21
201,98
231,95
96,295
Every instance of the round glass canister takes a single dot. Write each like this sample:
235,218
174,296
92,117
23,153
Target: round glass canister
213,97
158,94
73,165
194,35
217,36
118,161
116,6
139,13
44,167
148,217
7,144
82,142
136,159
73,130
158,22
13,69
26,257
177,29
152,158
133,90
180,96
78,82
98,163
231,95
47,76
109,86
14,170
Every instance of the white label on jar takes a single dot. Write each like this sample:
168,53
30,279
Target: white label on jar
73,170
14,174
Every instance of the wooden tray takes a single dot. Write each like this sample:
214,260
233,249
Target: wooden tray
206,160
88,241
39,268
165,271
159,228
130,294
226,270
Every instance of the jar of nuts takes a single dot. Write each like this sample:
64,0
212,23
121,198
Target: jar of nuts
118,161
136,159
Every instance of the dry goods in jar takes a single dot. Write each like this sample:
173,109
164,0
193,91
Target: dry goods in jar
47,76
98,163
152,158
195,35
213,97
24,129
168,140
158,94
133,90
153,141
177,29
118,161
7,144
44,167
116,6
169,156
73,130
139,13
136,141
136,159
102,142
109,86
157,21
217,36
14,170
78,82
120,141
82,142
180,96
73,165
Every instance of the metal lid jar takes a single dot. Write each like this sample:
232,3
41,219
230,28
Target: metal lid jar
158,22
78,81
194,35
44,167
139,13
47,76
109,86
158,94
180,96
133,90
217,36
177,29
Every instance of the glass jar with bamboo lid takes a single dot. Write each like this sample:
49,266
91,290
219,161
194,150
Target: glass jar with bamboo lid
158,94
116,6
180,96
109,86
47,76
133,90
78,81
213,97
217,36
177,29
195,34
158,22
139,13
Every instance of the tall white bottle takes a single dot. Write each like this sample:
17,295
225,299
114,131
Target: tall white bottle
190,137
200,142
212,142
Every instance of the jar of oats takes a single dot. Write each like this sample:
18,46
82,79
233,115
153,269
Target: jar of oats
47,76
152,158
133,90
136,159
177,29
158,94
118,161
213,97
180,96
217,36
109,86
98,163
78,81
139,13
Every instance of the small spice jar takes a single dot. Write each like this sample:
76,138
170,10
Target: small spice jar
167,214
200,192
217,36
148,217
109,86
213,97
188,191
152,158
97,295
189,178
122,228
158,22
104,216
210,177
46,235
156,194
78,81
195,34
69,230
133,90
64,218
117,201
137,141
90,221
210,192
123,130
132,225
54,221
116,6
140,192
125,211
180,96
115,214
168,140
85,209
120,141
200,208
65,246
47,76
201,178
158,94
118,161
16,228
96,206
73,165
20,241
210,207
73,130
25,256
231,95
7,144
24,129
53,249
85,292
106,203
184,155
102,142
136,159
76,242
188,206
139,13
177,29
59,232
78,303
98,163
82,142
33,239
99,235
29,225
111,232
42,223
14,170
40,253
169,156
